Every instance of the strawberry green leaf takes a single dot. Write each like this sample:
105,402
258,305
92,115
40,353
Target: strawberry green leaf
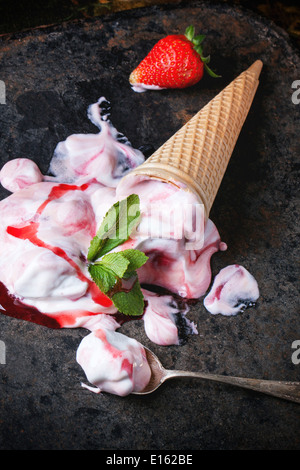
199,50
190,32
210,72
197,40
206,60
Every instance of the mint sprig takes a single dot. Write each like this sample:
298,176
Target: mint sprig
115,272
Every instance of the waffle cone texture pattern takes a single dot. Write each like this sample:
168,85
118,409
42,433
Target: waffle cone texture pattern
196,156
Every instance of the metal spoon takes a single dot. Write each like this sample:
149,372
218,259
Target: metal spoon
287,390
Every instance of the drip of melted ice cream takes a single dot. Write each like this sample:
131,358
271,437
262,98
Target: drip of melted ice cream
47,224
234,289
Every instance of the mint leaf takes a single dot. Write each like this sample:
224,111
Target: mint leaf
116,262
107,272
130,303
104,277
116,227
95,245
135,258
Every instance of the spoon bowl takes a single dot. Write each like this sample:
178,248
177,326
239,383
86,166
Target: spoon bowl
281,389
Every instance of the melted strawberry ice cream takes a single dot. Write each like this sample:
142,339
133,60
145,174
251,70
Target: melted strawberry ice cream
47,224
173,234
234,289
160,319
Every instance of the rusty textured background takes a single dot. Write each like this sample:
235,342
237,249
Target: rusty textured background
52,74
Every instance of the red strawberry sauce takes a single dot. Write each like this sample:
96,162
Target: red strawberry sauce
15,308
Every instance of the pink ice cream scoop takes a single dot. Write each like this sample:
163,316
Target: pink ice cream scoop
19,173
113,363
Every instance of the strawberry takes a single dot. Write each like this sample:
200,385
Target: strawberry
175,61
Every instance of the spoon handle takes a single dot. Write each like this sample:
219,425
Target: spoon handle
287,390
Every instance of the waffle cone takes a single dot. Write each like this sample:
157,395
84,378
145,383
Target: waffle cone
196,156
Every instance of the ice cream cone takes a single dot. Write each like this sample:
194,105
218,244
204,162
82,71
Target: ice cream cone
196,157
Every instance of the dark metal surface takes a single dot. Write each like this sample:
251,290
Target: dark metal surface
51,76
